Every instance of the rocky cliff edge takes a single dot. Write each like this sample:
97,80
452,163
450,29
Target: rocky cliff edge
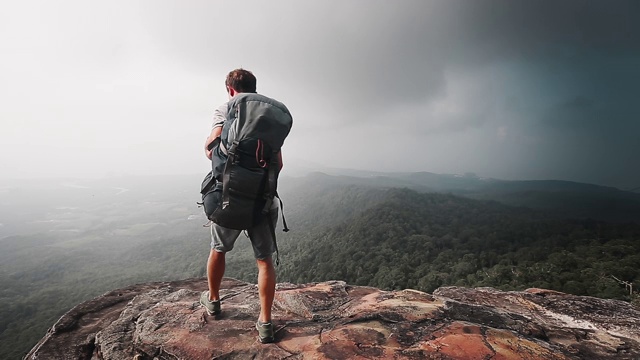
333,320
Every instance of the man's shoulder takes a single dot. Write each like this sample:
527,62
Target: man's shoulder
223,108
220,115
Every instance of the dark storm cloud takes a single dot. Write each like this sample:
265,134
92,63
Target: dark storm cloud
433,68
364,53
533,28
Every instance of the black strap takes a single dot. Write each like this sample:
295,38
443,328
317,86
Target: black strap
270,192
285,228
226,175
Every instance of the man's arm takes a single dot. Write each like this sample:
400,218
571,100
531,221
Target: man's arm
219,117
215,133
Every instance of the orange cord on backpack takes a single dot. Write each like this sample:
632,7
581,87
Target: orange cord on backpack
260,155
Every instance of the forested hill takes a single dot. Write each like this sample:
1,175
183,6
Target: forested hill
423,241
562,199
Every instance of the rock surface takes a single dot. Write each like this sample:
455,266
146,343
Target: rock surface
333,320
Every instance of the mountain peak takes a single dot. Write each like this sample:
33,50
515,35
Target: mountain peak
333,320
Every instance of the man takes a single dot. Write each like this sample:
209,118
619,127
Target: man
261,235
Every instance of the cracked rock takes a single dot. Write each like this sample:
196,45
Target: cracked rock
333,320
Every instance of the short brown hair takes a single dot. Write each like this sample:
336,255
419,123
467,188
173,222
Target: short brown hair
241,80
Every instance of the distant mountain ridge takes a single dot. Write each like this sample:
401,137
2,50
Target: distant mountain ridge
565,199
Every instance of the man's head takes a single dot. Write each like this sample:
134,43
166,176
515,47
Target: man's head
240,81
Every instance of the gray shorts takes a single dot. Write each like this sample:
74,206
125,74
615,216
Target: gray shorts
223,239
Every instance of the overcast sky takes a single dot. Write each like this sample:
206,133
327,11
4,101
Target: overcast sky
505,89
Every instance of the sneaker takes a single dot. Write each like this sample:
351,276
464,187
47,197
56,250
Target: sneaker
213,307
265,332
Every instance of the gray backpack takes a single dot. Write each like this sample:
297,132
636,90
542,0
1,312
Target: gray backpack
240,190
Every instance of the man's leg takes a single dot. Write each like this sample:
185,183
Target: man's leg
262,239
266,288
222,240
215,272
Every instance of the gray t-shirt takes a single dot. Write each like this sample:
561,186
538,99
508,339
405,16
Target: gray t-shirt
220,115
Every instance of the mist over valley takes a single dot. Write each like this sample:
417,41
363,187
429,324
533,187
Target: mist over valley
67,241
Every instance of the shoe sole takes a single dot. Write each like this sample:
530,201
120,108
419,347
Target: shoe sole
267,340
211,313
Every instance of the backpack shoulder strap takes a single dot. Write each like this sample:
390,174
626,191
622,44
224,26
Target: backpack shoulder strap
226,174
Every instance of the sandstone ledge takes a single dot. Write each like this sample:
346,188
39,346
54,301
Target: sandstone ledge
333,320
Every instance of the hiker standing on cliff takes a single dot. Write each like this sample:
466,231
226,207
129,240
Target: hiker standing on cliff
244,146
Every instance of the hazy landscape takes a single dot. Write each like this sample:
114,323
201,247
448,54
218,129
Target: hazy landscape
499,100
66,241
